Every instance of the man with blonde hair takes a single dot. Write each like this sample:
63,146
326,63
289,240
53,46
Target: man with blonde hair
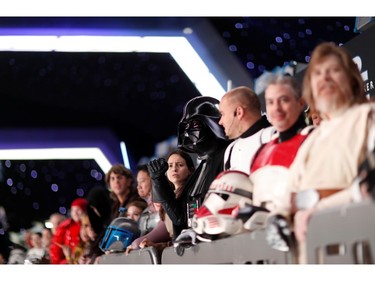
328,162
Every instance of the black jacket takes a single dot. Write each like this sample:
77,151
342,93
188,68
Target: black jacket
195,188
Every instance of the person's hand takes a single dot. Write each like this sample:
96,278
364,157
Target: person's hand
157,167
97,260
146,243
66,250
128,249
301,220
187,237
82,259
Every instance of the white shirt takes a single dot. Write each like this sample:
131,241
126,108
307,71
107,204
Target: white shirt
242,150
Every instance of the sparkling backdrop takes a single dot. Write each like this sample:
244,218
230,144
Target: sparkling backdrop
138,96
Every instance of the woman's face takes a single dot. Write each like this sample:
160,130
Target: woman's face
178,171
143,184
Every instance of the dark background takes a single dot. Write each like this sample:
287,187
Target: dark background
139,96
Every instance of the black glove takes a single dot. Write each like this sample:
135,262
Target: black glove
157,168
161,189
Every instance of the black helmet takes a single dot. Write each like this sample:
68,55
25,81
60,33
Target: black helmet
119,235
199,125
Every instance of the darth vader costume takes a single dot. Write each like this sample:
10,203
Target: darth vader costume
199,133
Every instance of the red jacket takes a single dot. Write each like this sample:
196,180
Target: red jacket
67,233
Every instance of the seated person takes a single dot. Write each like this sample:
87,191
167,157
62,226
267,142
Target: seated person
199,132
135,209
270,167
180,167
150,216
242,120
328,161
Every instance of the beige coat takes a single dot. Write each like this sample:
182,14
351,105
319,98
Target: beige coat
331,155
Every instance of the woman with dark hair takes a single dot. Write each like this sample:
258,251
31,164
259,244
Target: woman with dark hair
180,167
199,133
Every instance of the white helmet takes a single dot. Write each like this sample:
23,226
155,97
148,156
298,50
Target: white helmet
218,216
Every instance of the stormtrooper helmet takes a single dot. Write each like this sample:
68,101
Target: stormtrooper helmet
219,215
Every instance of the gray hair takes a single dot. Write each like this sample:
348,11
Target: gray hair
286,80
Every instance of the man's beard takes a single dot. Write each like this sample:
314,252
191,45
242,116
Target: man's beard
330,104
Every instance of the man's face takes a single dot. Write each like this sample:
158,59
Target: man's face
227,118
283,108
118,183
330,86
76,213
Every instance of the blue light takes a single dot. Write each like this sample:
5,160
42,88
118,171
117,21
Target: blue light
34,174
36,205
23,168
62,210
239,25
250,65
54,187
9,182
80,192
233,48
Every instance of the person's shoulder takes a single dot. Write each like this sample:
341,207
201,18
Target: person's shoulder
370,106
367,106
233,142
307,130
65,223
268,134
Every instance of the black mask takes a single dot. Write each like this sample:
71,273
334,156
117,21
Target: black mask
199,130
197,138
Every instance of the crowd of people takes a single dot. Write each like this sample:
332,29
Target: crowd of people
314,141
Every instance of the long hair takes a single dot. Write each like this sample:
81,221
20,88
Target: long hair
324,50
189,163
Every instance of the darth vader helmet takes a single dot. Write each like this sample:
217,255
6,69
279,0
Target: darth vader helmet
199,128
